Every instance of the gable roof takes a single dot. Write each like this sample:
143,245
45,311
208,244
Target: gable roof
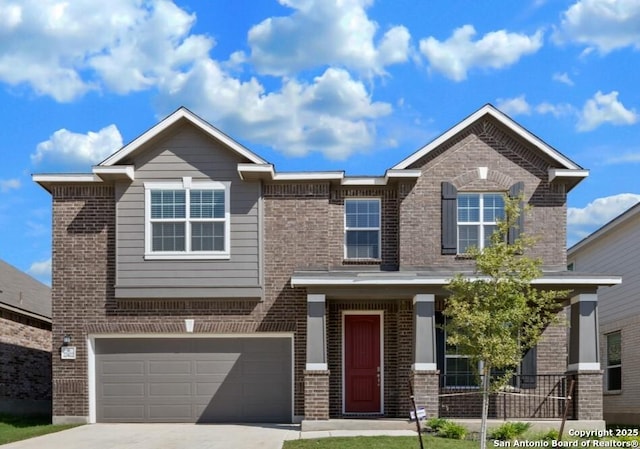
181,114
23,294
566,171
606,229
490,110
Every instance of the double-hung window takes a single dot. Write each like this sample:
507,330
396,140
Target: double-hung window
614,361
187,220
362,228
478,216
459,370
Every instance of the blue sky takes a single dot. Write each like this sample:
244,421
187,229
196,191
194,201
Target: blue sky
312,85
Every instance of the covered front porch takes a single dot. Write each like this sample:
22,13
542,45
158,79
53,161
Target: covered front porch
370,335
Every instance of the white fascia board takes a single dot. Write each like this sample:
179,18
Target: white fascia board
364,181
567,173
65,177
568,281
256,169
297,281
309,176
406,174
127,171
502,118
47,180
181,113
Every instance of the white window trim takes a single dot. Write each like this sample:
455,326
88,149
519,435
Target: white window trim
480,224
607,366
186,184
379,229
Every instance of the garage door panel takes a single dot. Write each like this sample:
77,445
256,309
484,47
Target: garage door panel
194,380
123,390
130,413
169,389
119,367
169,367
206,367
170,412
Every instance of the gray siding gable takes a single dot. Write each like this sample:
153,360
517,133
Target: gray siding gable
186,151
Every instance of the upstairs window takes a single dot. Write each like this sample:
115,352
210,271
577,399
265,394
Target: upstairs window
478,216
362,228
469,219
187,220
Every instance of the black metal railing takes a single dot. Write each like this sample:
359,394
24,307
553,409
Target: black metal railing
524,397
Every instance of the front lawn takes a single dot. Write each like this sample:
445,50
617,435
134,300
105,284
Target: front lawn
15,428
379,443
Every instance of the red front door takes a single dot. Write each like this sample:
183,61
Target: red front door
362,369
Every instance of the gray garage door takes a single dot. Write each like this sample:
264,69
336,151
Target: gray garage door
193,380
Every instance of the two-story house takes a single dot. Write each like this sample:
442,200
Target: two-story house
199,284
616,247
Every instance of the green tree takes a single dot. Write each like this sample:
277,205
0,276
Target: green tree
496,315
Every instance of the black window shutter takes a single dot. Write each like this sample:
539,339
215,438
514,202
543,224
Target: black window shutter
449,218
529,369
514,231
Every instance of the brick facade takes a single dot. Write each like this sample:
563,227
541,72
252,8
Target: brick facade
587,395
316,395
508,161
25,368
302,228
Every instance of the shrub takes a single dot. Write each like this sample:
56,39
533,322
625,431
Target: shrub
551,435
452,430
436,423
509,431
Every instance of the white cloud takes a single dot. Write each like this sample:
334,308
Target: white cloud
604,24
40,269
455,56
626,158
605,108
557,110
514,106
601,210
9,184
73,149
333,115
65,49
563,78
520,106
326,32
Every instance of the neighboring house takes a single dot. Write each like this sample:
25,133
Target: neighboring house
199,284
615,247
25,343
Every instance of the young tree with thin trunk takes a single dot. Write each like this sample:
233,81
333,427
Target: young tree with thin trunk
495,315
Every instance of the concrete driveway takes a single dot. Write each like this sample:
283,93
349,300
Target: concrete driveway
164,436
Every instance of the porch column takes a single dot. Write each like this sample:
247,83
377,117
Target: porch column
584,361
425,374
316,374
